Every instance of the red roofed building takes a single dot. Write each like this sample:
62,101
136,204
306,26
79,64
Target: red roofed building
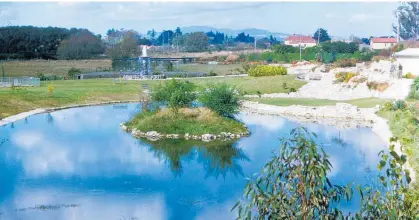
304,41
380,43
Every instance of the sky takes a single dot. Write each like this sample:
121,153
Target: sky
361,19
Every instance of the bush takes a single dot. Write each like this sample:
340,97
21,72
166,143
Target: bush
344,76
414,91
339,47
221,98
285,49
399,105
73,72
264,70
50,89
212,73
409,75
177,94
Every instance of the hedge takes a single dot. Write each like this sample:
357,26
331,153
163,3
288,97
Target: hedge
264,70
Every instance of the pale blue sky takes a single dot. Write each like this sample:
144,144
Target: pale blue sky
340,19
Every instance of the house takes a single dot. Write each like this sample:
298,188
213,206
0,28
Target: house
380,43
409,59
303,41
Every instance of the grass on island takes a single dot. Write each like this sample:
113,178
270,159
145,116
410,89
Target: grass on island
66,92
361,103
53,67
195,121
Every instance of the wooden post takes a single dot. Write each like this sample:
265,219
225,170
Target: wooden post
2,69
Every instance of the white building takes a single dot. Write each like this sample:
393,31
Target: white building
304,41
409,59
380,43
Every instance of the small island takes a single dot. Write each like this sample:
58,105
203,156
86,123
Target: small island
214,120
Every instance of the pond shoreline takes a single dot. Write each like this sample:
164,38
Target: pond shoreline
342,115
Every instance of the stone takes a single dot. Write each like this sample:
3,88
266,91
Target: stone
223,134
153,135
208,137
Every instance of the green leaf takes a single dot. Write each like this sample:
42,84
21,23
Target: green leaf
235,206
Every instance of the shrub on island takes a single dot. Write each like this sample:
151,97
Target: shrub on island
180,119
221,98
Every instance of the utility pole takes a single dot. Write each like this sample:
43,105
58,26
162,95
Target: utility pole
300,47
398,28
318,36
255,44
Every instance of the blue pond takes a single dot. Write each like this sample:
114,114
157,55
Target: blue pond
78,164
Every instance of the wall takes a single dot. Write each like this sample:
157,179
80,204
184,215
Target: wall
409,64
380,46
302,45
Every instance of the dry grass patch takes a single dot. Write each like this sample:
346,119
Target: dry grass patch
378,86
53,67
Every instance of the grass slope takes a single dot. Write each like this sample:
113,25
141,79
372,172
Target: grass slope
66,92
195,121
361,103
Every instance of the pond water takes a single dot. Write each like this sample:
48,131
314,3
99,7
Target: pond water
78,164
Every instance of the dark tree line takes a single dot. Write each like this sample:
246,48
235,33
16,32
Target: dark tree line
28,42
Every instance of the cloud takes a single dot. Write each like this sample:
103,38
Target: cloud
359,17
329,15
54,154
268,122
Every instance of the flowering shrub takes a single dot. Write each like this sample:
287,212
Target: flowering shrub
345,76
264,70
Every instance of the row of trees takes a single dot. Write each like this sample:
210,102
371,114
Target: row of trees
27,42
177,38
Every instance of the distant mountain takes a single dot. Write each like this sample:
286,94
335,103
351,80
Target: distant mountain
251,31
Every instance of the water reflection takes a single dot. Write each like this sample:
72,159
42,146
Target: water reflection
217,157
81,156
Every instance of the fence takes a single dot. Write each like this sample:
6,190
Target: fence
19,81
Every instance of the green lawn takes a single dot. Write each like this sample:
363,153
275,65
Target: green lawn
66,92
219,69
362,103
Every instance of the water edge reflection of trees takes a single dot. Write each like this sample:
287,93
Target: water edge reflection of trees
217,157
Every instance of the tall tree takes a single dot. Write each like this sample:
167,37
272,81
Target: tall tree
365,40
324,35
81,45
178,31
243,38
408,18
151,33
196,42
165,38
